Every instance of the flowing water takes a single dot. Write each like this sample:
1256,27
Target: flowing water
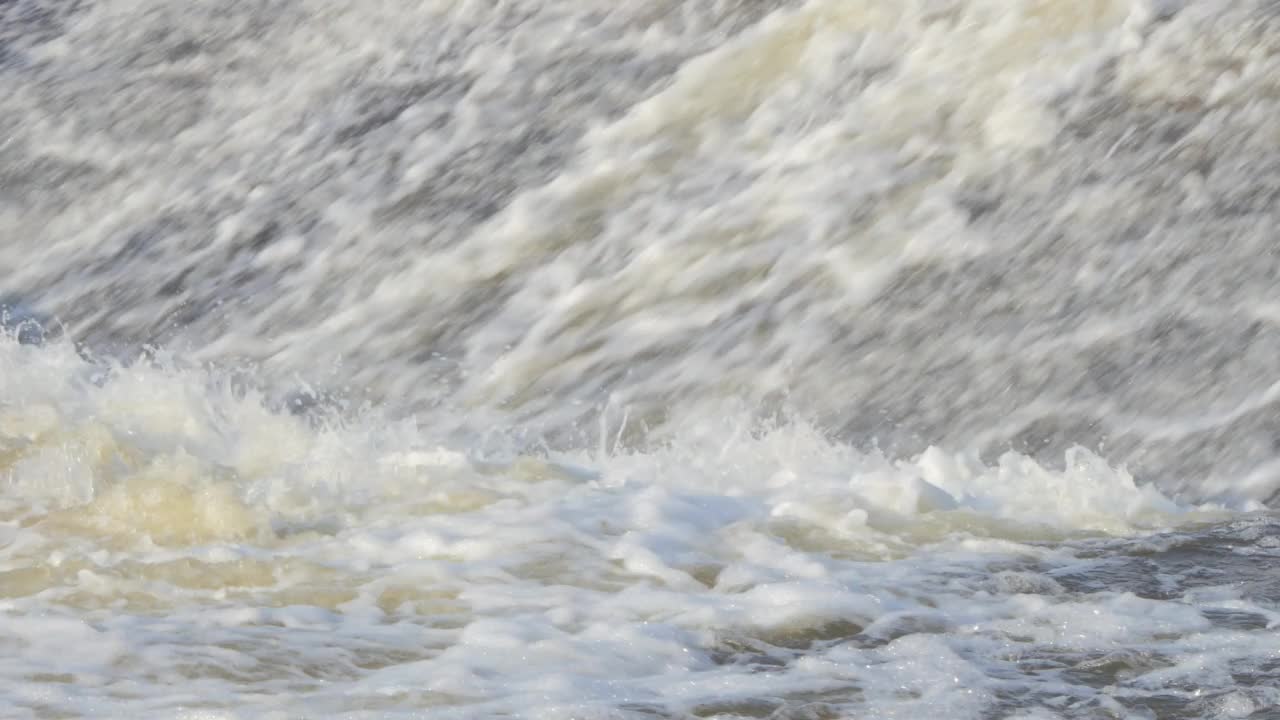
803,359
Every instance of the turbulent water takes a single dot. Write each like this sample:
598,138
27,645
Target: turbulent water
577,359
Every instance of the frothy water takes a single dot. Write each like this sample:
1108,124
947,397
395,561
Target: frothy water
731,359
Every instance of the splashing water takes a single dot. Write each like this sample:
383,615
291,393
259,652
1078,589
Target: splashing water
571,360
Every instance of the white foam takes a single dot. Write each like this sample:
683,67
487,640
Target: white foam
384,566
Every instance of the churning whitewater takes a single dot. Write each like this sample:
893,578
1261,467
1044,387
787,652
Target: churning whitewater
595,360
